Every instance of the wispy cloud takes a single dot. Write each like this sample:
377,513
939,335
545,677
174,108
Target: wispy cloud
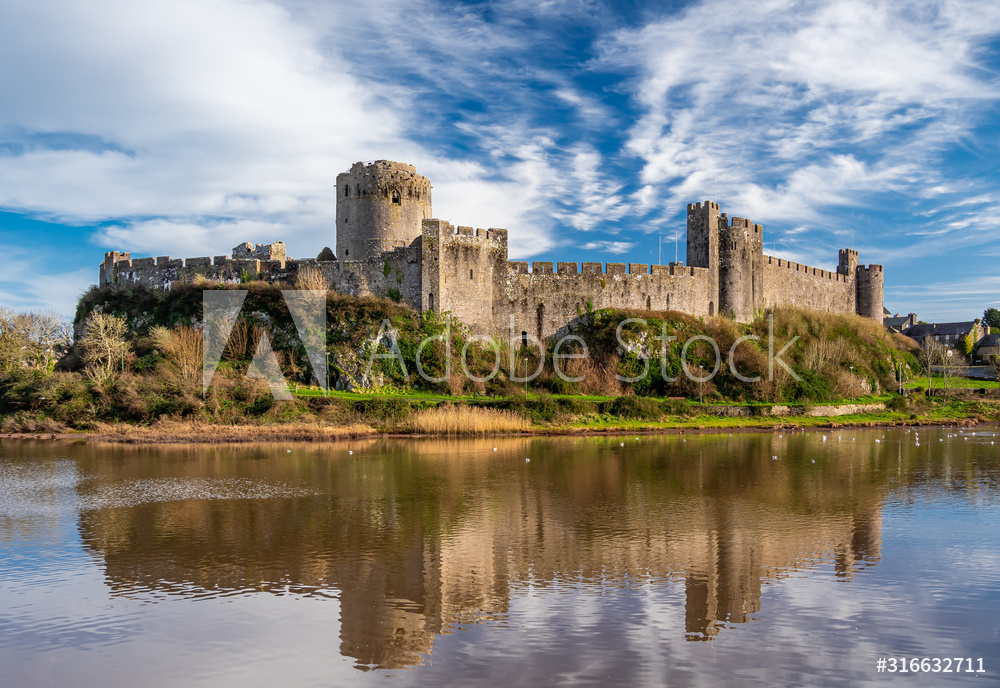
183,128
797,107
616,247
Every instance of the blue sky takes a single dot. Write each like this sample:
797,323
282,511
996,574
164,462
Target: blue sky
185,127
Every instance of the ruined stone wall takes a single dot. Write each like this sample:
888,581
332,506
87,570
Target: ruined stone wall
460,269
793,284
545,300
159,273
395,274
380,207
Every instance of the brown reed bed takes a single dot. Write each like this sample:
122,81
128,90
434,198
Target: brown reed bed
173,432
465,420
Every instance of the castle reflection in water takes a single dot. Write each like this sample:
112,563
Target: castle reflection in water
418,538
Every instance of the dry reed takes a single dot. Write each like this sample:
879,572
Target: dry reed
172,432
466,420
311,277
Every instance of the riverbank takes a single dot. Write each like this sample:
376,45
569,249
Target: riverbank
194,432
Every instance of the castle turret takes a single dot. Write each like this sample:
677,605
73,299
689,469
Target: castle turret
741,268
380,207
109,270
703,245
870,291
848,262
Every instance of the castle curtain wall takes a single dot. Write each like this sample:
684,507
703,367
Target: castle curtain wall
794,284
544,302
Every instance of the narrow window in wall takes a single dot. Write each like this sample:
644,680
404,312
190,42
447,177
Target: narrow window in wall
649,303
347,191
430,301
470,273
668,302
396,198
711,308
347,251
541,318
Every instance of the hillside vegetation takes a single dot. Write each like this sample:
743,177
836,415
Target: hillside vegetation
153,374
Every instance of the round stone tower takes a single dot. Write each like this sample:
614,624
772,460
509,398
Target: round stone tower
870,291
380,207
741,268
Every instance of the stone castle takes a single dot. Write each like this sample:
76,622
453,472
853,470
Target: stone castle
389,245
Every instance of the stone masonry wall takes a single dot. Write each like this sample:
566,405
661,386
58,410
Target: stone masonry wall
544,301
395,274
460,269
741,270
793,284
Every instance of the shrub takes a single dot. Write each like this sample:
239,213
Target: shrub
383,409
811,387
577,407
897,403
639,408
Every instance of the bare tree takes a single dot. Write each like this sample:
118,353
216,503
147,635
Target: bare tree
994,362
954,364
930,355
103,345
183,348
32,340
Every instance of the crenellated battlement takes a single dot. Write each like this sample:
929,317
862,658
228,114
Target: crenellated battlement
805,269
444,230
161,271
727,223
380,179
708,205
572,269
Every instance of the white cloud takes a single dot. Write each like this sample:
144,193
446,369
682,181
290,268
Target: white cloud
26,285
794,107
616,247
194,125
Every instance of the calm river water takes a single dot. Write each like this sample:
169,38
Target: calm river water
679,560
